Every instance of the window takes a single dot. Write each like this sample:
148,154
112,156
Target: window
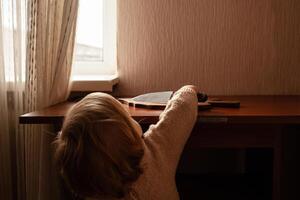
95,45
13,39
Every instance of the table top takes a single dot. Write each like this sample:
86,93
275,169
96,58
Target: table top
253,109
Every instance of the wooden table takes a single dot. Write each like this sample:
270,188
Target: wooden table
261,121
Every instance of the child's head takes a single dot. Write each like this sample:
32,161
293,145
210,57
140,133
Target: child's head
100,148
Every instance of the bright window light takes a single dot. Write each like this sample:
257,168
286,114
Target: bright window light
95,46
89,36
13,40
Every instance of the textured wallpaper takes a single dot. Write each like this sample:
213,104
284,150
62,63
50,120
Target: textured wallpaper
222,46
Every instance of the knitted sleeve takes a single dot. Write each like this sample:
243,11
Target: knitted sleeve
168,137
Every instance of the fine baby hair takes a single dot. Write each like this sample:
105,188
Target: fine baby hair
99,150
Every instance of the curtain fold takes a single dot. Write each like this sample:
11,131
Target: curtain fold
5,172
36,50
53,25
49,61
12,68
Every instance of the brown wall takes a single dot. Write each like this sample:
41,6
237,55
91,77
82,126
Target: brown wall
223,46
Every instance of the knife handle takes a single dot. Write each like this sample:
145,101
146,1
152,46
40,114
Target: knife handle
202,97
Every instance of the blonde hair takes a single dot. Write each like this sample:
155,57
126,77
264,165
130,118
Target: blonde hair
98,152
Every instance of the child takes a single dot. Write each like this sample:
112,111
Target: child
103,154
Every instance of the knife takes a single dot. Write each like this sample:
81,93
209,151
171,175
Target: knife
154,97
163,97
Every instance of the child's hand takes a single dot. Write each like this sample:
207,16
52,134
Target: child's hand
202,97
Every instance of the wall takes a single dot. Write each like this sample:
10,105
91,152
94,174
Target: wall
224,47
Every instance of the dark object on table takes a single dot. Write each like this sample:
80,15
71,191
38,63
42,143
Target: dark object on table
224,104
202,97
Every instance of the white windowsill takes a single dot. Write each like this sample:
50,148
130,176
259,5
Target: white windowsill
102,83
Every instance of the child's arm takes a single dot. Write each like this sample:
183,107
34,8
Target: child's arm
175,124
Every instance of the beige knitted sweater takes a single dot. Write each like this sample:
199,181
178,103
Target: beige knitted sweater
164,143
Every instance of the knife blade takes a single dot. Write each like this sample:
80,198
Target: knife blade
154,97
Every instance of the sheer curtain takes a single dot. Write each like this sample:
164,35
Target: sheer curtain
12,77
52,27
36,49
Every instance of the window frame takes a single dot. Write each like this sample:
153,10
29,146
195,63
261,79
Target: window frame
87,70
